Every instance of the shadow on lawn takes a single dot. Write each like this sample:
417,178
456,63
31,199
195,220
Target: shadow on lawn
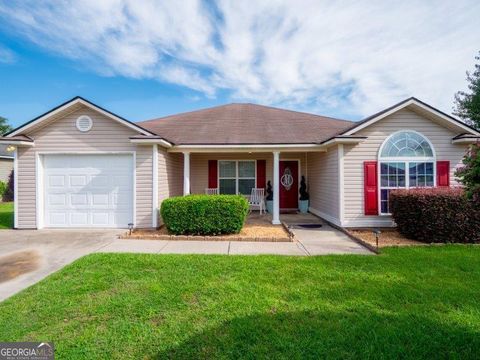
324,334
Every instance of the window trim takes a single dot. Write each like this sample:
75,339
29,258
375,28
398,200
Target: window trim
407,179
406,160
236,178
379,155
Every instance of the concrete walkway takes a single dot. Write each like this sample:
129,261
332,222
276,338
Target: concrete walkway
326,241
319,241
51,250
204,247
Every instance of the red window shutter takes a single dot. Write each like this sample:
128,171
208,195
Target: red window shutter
370,187
443,173
261,174
212,174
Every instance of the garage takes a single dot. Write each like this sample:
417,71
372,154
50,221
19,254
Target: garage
94,190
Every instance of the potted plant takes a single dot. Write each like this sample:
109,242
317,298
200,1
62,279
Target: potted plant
269,198
304,196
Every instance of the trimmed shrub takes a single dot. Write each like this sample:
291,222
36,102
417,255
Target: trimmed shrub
204,214
8,193
436,215
3,188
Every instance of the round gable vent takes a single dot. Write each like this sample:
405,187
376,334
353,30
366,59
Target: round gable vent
84,123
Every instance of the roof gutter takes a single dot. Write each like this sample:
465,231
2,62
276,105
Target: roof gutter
209,148
16,142
151,141
465,139
344,140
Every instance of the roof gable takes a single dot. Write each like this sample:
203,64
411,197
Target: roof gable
72,105
418,106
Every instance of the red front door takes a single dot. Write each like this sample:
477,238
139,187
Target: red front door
288,184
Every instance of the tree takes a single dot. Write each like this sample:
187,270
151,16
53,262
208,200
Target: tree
467,104
4,126
469,174
9,191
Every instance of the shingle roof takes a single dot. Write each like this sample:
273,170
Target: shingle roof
245,124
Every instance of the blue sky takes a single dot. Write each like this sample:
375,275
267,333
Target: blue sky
145,59
37,80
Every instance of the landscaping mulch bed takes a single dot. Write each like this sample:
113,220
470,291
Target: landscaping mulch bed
250,232
387,238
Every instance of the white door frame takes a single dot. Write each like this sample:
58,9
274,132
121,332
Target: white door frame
39,173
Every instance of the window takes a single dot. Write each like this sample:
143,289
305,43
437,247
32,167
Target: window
236,177
406,160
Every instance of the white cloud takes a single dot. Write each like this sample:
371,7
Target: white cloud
345,57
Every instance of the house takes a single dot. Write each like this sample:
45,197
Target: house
80,165
6,163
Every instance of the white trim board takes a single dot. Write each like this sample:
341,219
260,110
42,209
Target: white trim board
360,223
367,223
39,191
248,148
15,188
325,216
161,142
341,182
16,142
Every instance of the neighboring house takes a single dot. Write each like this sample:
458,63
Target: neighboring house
6,163
82,166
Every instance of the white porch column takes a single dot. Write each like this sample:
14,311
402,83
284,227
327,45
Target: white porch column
186,173
276,188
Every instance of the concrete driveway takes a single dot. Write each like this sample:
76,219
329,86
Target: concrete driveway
50,250
38,253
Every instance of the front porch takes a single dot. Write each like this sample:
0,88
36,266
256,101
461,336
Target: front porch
240,172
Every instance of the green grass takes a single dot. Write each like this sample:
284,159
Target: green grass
421,302
6,215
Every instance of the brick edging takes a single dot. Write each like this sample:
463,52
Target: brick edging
204,238
291,235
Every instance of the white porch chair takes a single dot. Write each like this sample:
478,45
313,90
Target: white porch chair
211,191
257,200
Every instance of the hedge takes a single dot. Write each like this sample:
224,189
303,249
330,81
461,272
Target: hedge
204,214
436,215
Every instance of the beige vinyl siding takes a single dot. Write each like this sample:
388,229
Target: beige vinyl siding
355,155
6,167
170,176
62,135
26,188
144,186
323,184
199,166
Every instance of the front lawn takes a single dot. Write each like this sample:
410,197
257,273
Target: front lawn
6,215
417,302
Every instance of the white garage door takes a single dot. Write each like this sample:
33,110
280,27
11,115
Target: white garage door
88,190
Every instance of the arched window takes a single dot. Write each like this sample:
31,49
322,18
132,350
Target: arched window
406,160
